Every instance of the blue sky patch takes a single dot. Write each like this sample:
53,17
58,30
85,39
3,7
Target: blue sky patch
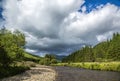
92,4
1,9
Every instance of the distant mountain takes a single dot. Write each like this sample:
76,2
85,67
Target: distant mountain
60,57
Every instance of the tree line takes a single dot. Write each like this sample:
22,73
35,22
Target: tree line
105,51
48,59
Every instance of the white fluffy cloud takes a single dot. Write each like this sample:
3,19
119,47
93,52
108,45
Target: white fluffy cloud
56,26
87,26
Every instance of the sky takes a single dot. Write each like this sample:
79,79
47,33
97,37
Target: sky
61,26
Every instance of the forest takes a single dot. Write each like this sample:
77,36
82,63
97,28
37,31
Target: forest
105,51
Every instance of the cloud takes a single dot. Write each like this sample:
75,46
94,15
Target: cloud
56,26
87,26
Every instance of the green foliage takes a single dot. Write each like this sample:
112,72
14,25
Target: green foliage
50,56
19,38
13,43
105,51
83,55
45,61
12,47
31,57
10,71
12,51
53,61
5,60
9,48
48,59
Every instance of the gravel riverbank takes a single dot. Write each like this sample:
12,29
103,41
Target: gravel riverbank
38,73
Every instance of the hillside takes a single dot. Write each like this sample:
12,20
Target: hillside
104,51
31,57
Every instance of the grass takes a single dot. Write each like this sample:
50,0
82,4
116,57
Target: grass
31,57
28,55
104,66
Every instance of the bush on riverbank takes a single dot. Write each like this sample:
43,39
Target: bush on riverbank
12,70
48,60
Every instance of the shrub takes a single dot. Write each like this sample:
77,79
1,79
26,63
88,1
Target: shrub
5,59
6,72
53,61
45,61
